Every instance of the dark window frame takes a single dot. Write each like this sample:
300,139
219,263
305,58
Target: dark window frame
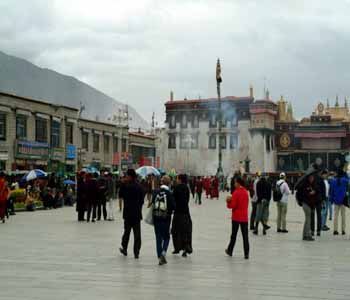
172,141
96,143
3,126
106,144
69,133
85,140
55,134
21,127
212,140
41,132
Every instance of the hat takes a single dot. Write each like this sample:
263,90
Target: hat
282,175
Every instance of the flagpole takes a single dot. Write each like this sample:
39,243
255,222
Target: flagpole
219,173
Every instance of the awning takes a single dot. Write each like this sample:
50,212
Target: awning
5,109
43,116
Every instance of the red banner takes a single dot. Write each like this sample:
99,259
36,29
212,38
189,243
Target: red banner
116,159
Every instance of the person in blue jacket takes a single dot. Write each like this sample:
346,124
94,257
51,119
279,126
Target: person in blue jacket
338,192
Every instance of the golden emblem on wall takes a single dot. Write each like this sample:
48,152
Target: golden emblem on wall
285,140
320,108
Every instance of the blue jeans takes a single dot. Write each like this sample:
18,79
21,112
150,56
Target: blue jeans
162,231
324,212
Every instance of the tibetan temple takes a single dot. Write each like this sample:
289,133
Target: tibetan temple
322,138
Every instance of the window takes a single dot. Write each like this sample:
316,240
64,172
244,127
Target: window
21,127
194,141
85,140
172,123
223,142
55,133
234,121
106,144
183,141
212,120
2,127
212,141
195,121
233,141
172,141
184,121
124,145
115,145
96,143
69,133
41,130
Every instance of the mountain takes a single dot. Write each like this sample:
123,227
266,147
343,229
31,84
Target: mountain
22,78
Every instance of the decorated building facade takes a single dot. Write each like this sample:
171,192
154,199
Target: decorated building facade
322,138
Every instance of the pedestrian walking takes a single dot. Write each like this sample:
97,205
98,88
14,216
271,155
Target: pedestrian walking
92,197
101,198
4,193
199,190
307,194
254,201
264,193
81,204
182,223
339,194
133,196
163,206
316,212
110,195
238,202
325,200
282,194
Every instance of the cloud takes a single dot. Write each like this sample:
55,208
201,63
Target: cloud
137,51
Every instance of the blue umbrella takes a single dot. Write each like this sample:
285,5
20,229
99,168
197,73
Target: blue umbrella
91,170
34,174
68,182
161,171
145,171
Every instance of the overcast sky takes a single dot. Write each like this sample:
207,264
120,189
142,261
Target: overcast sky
138,50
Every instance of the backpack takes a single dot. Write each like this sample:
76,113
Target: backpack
160,206
277,194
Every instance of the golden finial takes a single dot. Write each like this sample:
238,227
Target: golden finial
218,72
327,103
337,101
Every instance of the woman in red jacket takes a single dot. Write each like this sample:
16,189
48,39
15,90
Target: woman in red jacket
239,202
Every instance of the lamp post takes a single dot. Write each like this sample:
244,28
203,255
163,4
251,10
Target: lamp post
220,172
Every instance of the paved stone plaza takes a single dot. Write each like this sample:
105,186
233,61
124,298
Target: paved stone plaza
48,255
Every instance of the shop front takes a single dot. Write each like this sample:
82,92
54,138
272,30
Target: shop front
56,163
31,155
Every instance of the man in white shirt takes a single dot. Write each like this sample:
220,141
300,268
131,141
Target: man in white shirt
282,205
325,200
254,201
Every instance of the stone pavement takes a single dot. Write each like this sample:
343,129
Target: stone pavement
48,255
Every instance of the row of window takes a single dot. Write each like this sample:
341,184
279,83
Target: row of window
41,130
106,143
213,121
190,141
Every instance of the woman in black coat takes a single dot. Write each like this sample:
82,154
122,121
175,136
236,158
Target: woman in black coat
182,224
81,198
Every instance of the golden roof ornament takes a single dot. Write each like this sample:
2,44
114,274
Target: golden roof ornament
337,101
218,72
327,103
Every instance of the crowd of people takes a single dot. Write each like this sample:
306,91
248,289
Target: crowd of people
317,192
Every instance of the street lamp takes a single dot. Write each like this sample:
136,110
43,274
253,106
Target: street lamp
220,172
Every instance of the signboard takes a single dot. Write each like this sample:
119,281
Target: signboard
71,151
126,160
57,154
32,150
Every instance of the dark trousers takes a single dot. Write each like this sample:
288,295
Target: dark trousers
253,215
244,230
101,207
162,231
91,208
81,215
136,227
199,197
318,209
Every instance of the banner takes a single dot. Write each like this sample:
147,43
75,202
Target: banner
32,150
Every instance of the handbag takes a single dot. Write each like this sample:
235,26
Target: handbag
149,216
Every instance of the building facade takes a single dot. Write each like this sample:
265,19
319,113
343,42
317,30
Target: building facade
322,138
37,134
142,149
191,138
102,145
